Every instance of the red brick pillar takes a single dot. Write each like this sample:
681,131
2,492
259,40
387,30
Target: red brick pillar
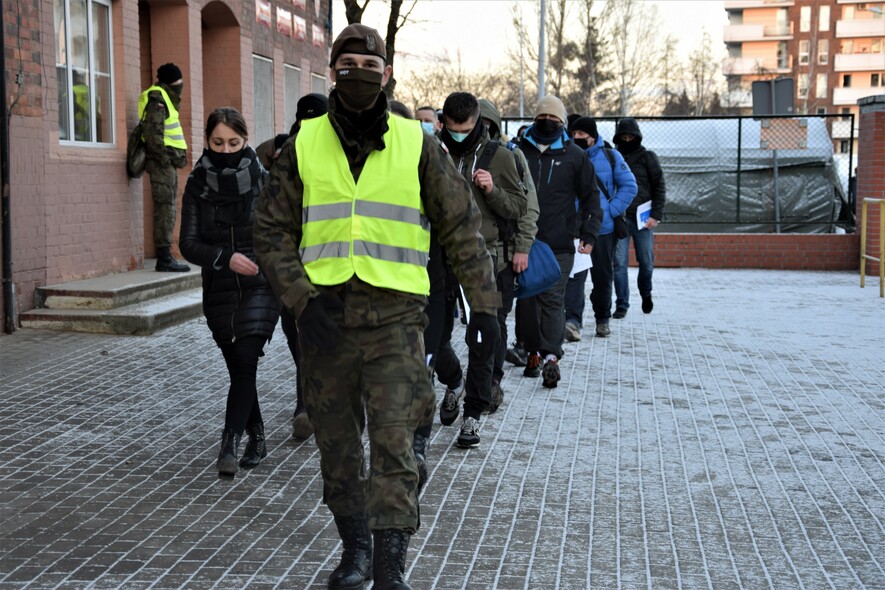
871,170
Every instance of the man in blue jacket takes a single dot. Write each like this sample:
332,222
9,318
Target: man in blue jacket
563,175
618,187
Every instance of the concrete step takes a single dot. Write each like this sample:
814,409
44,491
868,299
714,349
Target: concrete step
141,318
118,289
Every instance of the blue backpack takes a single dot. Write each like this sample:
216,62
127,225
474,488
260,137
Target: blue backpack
542,273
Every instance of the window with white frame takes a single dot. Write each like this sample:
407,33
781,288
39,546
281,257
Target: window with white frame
262,100
803,85
805,19
318,84
824,18
83,58
823,51
804,50
291,92
820,86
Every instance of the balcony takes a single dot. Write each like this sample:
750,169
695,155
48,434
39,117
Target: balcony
742,66
738,98
872,27
742,33
741,4
850,96
860,62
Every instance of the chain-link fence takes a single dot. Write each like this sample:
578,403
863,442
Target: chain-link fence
750,174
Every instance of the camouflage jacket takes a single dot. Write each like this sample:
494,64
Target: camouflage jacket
154,124
447,203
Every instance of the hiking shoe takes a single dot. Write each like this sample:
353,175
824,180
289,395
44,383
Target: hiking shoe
497,397
550,373
302,429
647,303
516,355
532,366
603,331
450,407
469,437
620,313
572,332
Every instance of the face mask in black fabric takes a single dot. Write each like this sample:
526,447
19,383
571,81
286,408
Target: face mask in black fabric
222,160
627,147
358,88
546,131
581,142
177,88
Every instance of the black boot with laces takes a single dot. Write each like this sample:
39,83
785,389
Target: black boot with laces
356,561
390,559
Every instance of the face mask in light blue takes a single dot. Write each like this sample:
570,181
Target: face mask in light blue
459,137
427,126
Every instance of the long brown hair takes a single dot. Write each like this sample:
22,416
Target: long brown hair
230,117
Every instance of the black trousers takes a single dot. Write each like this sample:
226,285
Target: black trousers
506,279
602,275
241,358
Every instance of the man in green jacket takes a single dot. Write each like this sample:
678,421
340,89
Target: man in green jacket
166,151
342,232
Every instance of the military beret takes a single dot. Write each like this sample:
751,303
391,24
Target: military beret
358,38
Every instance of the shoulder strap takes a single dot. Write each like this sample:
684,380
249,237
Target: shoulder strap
519,169
611,160
487,154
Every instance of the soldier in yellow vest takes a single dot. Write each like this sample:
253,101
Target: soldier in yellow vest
166,152
342,232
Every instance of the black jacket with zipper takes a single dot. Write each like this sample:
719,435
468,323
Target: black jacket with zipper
234,305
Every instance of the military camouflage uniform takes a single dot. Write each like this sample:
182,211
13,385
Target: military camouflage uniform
162,163
376,376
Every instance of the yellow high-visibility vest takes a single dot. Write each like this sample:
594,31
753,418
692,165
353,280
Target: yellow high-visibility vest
375,228
173,134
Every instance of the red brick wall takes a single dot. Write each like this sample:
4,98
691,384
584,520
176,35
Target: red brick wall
770,251
871,171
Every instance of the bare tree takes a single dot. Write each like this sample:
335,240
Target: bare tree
702,70
588,73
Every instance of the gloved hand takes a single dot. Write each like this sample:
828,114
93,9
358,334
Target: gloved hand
316,330
482,334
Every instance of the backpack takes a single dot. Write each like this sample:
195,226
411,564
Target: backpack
136,153
506,227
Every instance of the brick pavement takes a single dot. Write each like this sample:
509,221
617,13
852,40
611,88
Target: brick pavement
735,438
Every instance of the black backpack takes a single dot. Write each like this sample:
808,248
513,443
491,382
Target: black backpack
506,227
136,154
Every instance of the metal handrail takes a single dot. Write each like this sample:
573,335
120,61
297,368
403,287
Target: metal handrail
863,244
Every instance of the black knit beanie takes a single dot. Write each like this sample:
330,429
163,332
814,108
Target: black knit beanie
311,106
168,74
587,125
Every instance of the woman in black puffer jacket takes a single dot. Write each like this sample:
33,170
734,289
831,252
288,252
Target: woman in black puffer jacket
240,307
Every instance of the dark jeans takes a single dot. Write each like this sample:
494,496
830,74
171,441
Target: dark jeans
575,297
291,332
543,316
241,358
478,386
643,244
601,274
505,285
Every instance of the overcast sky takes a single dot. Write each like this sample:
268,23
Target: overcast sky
482,29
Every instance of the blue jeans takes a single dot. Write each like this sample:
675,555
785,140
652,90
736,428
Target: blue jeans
643,243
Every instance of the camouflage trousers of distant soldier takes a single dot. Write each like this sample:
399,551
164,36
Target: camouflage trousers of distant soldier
375,377
164,190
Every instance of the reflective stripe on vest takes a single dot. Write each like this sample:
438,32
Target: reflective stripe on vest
173,134
374,228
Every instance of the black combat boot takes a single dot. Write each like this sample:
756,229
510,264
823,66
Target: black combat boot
419,446
256,447
227,455
166,263
390,559
356,561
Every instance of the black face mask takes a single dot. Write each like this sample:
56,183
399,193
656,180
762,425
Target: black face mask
177,88
546,131
626,147
581,142
222,160
358,88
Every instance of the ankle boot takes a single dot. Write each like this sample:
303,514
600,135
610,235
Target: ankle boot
256,446
227,455
356,561
166,263
390,559
419,446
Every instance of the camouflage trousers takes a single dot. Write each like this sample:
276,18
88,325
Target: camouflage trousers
376,377
164,190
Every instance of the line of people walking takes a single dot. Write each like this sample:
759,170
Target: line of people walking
367,234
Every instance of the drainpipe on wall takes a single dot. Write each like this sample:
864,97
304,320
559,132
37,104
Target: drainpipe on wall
8,285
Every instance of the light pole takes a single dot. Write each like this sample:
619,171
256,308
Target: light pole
541,52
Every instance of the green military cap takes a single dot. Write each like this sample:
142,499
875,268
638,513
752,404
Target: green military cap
358,38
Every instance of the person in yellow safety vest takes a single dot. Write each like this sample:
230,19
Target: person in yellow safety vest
81,108
342,230
166,151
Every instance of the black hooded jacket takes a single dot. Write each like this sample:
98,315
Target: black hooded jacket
645,167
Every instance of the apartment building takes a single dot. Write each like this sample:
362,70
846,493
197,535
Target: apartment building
833,49
74,73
